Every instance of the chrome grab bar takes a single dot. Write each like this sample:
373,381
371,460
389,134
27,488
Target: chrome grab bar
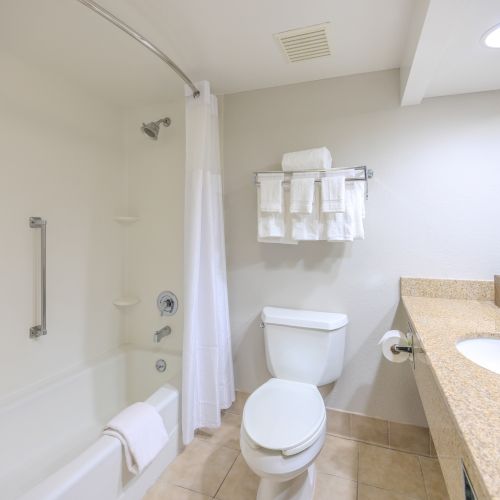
41,329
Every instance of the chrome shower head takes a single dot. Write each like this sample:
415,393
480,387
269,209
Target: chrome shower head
152,129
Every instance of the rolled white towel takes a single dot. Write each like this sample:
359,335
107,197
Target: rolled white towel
307,159
142,433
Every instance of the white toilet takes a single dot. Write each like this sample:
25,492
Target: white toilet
284,420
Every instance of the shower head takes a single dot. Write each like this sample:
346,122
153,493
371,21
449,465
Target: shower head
152,129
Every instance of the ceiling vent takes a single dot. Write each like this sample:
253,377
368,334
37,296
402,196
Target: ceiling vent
304,43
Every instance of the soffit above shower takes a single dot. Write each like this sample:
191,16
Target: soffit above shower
304,44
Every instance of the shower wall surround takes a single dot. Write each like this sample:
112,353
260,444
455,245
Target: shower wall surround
432,212
154,245
60,158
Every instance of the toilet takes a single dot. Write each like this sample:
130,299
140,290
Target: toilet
284,421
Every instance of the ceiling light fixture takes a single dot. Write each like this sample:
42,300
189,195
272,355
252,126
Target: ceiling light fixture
492,37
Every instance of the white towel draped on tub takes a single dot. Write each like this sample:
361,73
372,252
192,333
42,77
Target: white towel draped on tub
142,433
308,159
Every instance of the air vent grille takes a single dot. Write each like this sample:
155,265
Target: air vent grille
305,43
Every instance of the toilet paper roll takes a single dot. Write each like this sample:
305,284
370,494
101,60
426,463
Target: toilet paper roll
390,338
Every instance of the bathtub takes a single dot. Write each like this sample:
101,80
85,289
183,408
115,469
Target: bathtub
50,442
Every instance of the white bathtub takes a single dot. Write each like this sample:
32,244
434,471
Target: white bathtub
50,442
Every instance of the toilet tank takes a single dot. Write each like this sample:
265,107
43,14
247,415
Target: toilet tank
305,346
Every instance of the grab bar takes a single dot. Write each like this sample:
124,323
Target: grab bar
38,330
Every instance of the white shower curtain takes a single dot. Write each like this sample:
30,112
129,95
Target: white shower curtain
208,382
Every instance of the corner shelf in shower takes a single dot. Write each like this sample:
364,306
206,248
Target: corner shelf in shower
126,219
123,302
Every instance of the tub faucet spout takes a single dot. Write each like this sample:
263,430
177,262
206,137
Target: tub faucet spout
157,336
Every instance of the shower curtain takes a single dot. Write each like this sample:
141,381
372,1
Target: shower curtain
207,370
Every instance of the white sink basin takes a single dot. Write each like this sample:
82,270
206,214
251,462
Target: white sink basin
484,351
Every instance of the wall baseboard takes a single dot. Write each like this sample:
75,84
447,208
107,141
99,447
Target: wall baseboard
393,435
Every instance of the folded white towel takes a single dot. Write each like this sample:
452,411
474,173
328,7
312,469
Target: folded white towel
358,197
275,227
333,193
306,227
302,193
346,226
142,433
308,159
270,224
271,192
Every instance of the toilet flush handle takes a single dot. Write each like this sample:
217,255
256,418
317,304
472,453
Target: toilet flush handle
262,324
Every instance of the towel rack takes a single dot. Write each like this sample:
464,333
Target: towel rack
367,174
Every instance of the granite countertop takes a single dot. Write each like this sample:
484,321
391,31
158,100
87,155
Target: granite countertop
471,392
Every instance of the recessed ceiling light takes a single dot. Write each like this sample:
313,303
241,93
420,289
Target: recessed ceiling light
492,37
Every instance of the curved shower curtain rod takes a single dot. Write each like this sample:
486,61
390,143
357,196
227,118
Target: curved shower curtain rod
144,41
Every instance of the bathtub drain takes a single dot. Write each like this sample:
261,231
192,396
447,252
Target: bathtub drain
161,365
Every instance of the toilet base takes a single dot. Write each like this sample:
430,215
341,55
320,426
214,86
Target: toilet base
298,488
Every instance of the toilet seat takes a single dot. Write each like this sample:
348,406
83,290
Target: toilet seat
283,415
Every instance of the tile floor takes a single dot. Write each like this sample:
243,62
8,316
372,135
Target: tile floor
211,467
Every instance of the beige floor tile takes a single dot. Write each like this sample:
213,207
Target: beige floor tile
371,430
239,403
433,479
366,492
241,483
409,438
338,423
391,470
201,467
339,457
163,490
228,434
334,487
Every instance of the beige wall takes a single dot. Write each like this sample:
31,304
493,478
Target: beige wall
432,212
59,159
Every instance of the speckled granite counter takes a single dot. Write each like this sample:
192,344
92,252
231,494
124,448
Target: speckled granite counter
471,393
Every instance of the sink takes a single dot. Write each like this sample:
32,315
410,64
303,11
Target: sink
484,351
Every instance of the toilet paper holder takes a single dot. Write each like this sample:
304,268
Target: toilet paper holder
410,347
396,349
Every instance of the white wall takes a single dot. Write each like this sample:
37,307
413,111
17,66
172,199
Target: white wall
153,259
433,211
59,159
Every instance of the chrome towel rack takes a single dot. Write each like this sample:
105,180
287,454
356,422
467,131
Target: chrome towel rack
41,329
366,173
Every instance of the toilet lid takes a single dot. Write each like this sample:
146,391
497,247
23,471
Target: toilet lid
282,414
